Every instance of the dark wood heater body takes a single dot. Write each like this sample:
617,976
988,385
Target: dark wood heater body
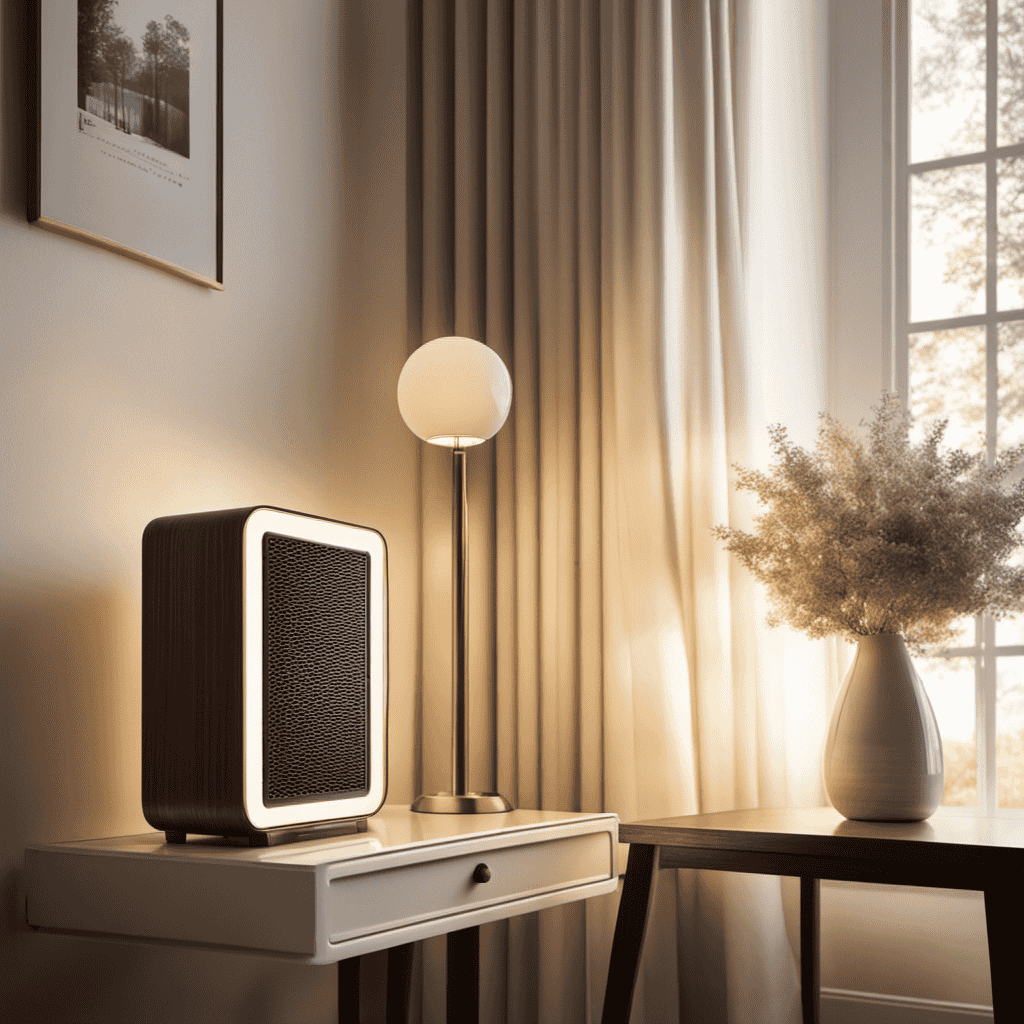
192,673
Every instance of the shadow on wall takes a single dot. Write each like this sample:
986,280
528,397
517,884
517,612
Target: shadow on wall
56,766
58,762
59,701
69,768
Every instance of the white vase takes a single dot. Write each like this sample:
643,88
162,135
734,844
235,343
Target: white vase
883,757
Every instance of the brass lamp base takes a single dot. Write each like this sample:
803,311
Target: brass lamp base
461,803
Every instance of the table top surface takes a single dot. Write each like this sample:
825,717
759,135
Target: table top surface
394,828
824,830
408,877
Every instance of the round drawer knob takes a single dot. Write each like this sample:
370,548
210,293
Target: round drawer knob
481,873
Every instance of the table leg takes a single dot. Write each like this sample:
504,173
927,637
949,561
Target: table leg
1003,909
630,926
463,990
399,981
810,945
348,990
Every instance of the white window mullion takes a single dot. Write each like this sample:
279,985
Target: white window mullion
901,199
962,159
970,320
981,734
987,709
891,346
991,232
991,368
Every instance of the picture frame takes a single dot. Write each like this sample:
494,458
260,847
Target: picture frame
126,129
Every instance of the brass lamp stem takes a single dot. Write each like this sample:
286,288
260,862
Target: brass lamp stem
460,800
460,625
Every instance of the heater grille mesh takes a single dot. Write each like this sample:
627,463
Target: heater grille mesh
316,670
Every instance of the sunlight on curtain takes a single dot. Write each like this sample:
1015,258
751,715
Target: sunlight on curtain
747,140
625,200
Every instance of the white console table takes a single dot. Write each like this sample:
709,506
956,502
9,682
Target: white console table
408,877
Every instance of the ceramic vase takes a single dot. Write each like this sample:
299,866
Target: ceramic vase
883,756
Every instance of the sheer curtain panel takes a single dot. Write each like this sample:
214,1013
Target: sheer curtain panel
588,186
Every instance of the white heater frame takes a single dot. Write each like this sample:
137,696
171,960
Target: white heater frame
340,535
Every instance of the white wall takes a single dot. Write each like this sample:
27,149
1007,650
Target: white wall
911,943
129,394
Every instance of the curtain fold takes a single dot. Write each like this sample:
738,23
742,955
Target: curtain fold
585,181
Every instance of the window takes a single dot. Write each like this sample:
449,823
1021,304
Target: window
958,311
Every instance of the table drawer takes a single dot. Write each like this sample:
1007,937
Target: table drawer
444,887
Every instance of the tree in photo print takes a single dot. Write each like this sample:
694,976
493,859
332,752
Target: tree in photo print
138,83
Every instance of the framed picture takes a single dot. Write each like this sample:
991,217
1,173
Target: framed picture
126,129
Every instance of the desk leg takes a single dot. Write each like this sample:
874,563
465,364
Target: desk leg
399,982
630,926
348,990
1003,909
464,976
810,944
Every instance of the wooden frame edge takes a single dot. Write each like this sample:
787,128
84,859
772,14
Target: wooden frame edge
33,133
82,235
220,146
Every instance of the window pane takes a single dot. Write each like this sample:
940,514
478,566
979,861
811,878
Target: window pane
1010,731
949,683
1010,632
1010,88
947,78
1010,364
966,635
947,245
936,358
1010,245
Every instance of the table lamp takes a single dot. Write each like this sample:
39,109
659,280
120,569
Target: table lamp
456,392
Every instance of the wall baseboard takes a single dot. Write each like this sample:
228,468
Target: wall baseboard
840,1006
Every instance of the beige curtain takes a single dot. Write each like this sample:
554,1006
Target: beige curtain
586,179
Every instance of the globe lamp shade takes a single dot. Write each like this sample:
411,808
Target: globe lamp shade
454,392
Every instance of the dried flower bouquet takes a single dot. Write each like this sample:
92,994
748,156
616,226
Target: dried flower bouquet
893,537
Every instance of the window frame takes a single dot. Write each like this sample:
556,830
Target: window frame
984,652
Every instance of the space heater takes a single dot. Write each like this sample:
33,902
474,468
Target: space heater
264,675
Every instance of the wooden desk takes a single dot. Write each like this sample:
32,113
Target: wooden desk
946,851
408,877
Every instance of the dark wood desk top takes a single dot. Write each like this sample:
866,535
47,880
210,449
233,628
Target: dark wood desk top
961,845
